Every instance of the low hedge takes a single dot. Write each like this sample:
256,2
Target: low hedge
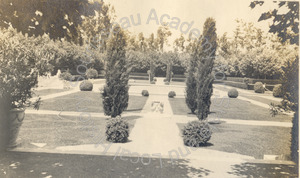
236,84
139,77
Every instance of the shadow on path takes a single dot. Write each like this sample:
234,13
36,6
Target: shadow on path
264,170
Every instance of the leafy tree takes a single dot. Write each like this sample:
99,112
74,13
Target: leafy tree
153,54
58,18
204,54
96,29
179,44
115,95
286,25
163,33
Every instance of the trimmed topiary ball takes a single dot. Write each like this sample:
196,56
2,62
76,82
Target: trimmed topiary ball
172,94
145,93
91,73
233,93
259,87
86,86
196,133
117,130
277,91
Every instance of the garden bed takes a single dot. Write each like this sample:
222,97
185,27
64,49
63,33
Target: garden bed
230,108
64,131
255,141
87,101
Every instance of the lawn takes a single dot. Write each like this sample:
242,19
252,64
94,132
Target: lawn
230,108
255,141
45,92
64,131
88,101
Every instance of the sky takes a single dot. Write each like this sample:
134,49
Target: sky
225,12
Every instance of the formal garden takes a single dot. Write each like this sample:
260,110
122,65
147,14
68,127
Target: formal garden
97,88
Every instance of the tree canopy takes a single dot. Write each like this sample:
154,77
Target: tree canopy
285,25
58,18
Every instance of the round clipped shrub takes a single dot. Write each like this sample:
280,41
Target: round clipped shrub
117,130
172,94
91,73
86,86
233,93
196,133
66,76
259,87
277,91
145,93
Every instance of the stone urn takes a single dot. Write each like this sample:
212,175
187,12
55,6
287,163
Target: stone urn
16,117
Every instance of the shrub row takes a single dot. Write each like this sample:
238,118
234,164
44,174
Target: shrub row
236,84
253,81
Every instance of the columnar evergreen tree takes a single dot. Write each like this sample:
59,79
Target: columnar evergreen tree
204,54
191,86
115,95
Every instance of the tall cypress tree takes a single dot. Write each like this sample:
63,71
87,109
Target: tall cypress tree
191,84
115,95
204,53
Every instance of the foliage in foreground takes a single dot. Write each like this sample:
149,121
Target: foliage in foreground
117,130
196,133
20,65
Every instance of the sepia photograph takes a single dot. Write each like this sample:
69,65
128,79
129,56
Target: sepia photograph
149,88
